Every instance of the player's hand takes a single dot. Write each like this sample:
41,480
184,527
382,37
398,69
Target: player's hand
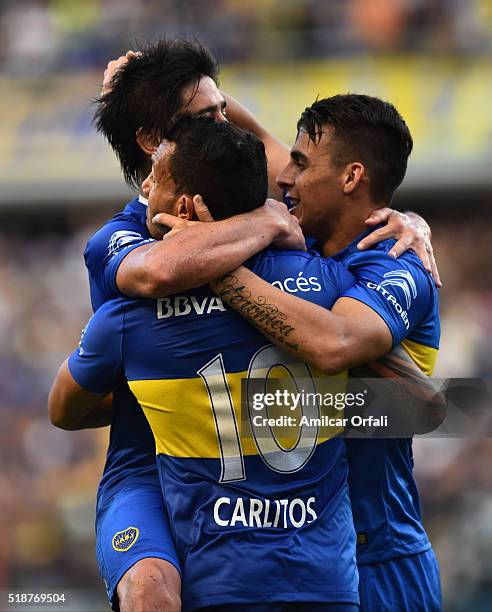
177,224
112,68
289,233
411,232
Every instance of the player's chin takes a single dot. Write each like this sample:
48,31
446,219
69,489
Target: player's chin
303,221
296,211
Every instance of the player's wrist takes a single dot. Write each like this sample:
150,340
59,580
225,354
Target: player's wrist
264,223
277,214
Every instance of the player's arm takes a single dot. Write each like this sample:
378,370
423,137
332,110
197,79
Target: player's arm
276,151
204,251
80,396
428,402
352,336
410,232
349,335
366,321
72,407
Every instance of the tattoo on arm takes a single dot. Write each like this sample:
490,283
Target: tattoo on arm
398,364
424,403
271,321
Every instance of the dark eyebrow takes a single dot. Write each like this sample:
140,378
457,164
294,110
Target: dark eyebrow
211,109
297,156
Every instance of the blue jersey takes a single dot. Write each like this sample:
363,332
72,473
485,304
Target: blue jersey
109,246
131,455
254,520
384,496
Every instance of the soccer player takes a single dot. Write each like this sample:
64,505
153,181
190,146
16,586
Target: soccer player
166,78
349,157
257,526
142,94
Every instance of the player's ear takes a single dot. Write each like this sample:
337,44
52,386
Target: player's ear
353,176
146,185
146,141
185,209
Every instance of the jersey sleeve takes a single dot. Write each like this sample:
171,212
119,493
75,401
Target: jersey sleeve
399,290
104,253
97,364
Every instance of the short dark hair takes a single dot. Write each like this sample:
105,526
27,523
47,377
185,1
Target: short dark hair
226,165
147,93
366,129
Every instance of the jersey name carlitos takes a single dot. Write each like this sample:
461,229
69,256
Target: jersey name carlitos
254,520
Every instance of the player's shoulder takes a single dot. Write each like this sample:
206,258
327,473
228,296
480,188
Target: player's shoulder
400,290
96,364
376,261
304,269
284,261
274,253
311,258
124,228
104,328
107,317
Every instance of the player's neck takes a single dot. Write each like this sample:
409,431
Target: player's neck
340,239
349,226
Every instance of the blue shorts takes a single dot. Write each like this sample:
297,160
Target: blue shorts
409,584
130,526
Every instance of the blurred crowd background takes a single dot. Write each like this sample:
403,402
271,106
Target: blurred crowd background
46,36
58,182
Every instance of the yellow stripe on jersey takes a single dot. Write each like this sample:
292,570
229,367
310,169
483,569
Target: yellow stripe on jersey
424,356
184,423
